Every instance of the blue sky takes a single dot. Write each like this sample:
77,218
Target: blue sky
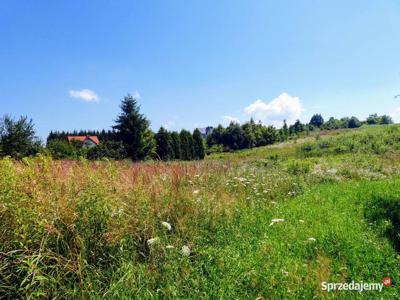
67,64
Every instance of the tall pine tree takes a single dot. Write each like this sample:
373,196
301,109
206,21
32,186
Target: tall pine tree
176,145
131,127
164,144
186,145
198,145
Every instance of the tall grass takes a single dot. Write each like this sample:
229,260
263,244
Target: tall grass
80,229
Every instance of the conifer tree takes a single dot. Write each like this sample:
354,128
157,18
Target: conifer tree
285,130
131,127
176,145
164,144
198,145
186,145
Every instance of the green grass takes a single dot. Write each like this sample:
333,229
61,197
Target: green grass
73,230
250,258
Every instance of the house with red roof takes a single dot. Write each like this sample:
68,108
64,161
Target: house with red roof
88,141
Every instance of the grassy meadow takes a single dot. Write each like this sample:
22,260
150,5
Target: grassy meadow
267,223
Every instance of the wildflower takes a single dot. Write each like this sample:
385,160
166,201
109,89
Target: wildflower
332,171
273,221
195,192
152,241
311,239
166,225
285,273
117,213
169,247
301,221
185,250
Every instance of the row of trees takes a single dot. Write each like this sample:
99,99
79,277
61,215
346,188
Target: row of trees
317,122
103,135
352,122
237,136
250,134
183,145
131,137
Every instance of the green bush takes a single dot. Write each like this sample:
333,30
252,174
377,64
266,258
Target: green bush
109,149
61,149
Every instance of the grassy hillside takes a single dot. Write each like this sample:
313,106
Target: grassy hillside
272,222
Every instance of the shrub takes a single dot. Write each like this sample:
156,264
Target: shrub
109,149
61,149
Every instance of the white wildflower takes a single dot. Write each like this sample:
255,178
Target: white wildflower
166,225
117,213
332,171
273,221
185,251
285,273
311,239
152,241
169,247
195,192
301,221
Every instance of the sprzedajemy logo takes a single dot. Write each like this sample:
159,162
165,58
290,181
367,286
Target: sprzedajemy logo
356,286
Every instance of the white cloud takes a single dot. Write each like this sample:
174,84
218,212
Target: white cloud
169,125
228,119
284,107
85,94
395,114
136,95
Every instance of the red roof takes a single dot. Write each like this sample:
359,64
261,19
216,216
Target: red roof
82,138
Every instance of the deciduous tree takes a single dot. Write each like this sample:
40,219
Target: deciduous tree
17,137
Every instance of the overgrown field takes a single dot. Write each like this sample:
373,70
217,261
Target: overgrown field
268,223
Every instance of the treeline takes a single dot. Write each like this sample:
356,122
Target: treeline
237,136
318,122
132,138
250,134
163,145
103,135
